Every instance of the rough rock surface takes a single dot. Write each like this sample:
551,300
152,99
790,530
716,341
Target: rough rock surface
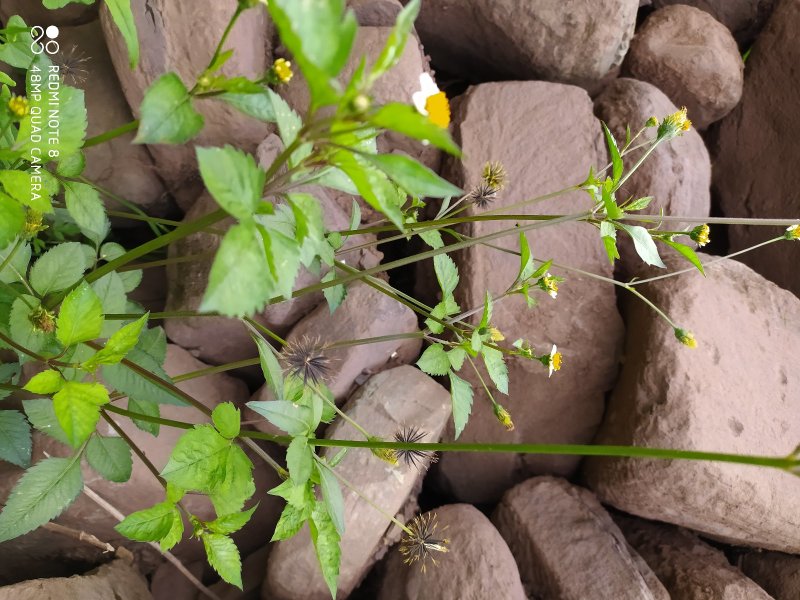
692,58
777,573
677,175
376,13
479,564
559,533
122,167
670,396
547,137
116,580
569,41
167,583
749,178
688,567
388,401
170,34
34,13
743,17
252,578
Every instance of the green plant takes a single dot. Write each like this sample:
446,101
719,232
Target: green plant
63,286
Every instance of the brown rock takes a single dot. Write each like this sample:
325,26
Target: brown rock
688,567
388,401
124,168
692,58
558,533
168,583
34,13
478,565
533,39
670,396
677,174
376,13
778,574
547,137
744,18
180,38
117,580
748,178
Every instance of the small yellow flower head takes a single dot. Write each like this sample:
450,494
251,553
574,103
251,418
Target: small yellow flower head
385,454
432,102
504,418
651,122
674,125
19,106
494,175
793,233
282,70
361,103
43,320
495,335
685,337
554,360
550,285
205,82
700,234
33,223
421,541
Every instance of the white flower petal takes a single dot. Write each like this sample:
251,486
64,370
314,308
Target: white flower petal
427,85
419,98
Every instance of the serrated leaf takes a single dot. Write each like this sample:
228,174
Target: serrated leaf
496,367
639,204
326,544
283,260
289,125
16,51
12,219
77,408
15,438
332,496
123,18
446,273
231,523
29,189
118,345
299,460
396,43
145,407
456,357
644,245
86,208
167,114
687,252
175,532
270,367
335,294
613,151
526,264
198,460
258,106
291,521
57,269
487,311
42,415
48,381
415,178
17,267
81,316
111,457
149,525
227,419
223,556
434,360
285,415
233,178
405,119
71,107
111,290
43,492
461,396
609,201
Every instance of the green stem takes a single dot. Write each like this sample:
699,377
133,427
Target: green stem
110,135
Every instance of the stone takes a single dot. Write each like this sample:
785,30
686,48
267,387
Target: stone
34,13
168,583
117,579
677,174
124,168
571,42
547,138
387,401
180,38
671,396
744,18
558,533
376,13
777,573
478,565
692,58
751,179
688,567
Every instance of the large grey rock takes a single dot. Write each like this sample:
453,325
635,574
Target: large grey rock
547,137
754,134
167,583
376,13
671,396
692,58
559,533
677,174
569,41
179,37
688,567
777,573
743,17
388,401
116,580
34,13
478,564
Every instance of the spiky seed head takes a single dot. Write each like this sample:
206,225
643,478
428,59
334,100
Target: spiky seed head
421,541
483,195
418,459
306,360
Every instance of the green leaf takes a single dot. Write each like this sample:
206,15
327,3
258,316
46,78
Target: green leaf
639,204
17,48
17,267
81,316
175,532
84,205
496,367
309,227
687,252
223,556
72,118
416,179
111,290
145,407
405,119
644,244
326,543
487,311
111,457
12,219
198,460
21,328
613,150
167,114
233,178
299,460
77,407
46,382
446,273
461,396
238,486
15,438
57,269
289,125
133,385
396,43
118,345
456,357
227,419
526,264
43,492
434,360
231,523
290,522
608,234
332,496
149,525
285,415
42,415
29,189
270,366
609,201
72,166
258,106
123,17
335,294
283,260
236,284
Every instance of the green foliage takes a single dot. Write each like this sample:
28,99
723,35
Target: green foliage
233,178
434,360
406,120
73,122
12,219
151,524
16,50
270,366
644,244
118,345
15,438
84,205
59,268
326,543
224,557
461,396
123,18
227,420
168,116
42,416
77,407
111,457
81,316
48,381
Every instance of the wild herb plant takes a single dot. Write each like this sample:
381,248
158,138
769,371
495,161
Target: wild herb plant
64,287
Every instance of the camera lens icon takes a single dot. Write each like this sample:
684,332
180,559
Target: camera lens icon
52,32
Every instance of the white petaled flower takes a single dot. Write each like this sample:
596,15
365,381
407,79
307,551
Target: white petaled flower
431,102
555,360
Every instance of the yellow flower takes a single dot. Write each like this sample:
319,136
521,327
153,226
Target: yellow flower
550,285
700,234
432,102
685,337
495,335
19,106
793,233
282,69
494,175
33,223
385,454
43,320
504,418
675,124
651,122
554,360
